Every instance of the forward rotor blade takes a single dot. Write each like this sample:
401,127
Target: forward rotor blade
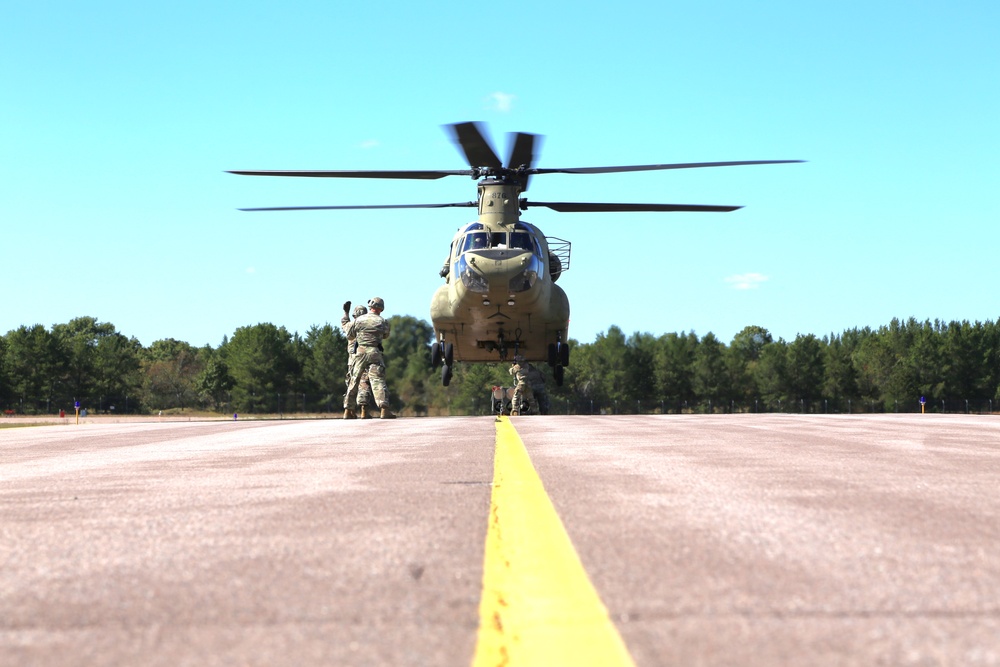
345,208
573,207
477,149
424,175
654,167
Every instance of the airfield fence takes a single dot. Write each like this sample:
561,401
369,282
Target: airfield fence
291,404
983,406
569,405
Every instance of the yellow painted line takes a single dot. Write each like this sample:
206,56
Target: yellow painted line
538,606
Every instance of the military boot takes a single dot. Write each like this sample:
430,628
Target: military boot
349,414
387,413
364,412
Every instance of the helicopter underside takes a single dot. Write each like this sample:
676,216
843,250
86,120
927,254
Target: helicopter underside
493,328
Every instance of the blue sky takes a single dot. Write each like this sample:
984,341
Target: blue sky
118,119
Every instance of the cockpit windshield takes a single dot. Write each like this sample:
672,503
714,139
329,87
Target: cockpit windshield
520,240
475,241
481,240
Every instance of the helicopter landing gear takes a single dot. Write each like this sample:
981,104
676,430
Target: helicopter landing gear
558,360
558,354
443,352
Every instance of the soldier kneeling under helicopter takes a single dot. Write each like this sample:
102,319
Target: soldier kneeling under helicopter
529,388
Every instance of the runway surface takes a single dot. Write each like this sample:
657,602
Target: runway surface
709,540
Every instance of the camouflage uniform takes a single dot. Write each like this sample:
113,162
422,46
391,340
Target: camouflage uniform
364,387
369,330
537,383
522,390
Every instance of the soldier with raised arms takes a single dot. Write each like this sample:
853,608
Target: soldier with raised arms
369,331
364,388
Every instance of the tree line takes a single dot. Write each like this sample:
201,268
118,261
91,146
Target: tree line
265,369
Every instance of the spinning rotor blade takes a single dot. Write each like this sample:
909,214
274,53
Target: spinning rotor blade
426,175
344,208
478,151
522,150
573,207
485,164
653,167
522,155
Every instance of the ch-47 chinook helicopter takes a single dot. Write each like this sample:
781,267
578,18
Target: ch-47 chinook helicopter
500,298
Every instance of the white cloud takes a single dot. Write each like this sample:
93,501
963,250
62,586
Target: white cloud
746,280
499,101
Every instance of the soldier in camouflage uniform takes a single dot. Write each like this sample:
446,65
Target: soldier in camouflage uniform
369,330
537,383
364,388
522,390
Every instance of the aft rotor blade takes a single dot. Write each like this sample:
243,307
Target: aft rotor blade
522,154
345,208
425,175
574,207
655,167
522,150
477,149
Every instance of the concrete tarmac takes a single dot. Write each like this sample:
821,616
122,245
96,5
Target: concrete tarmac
712,540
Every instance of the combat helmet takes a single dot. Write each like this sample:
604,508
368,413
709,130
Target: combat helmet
376,302
359,311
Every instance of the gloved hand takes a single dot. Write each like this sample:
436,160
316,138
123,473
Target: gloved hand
347,307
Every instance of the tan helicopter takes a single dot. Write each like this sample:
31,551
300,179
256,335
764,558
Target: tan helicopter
500,298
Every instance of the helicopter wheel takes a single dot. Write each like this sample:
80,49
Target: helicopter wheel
557,373
564,354
435,354
553,356
449,354
446,374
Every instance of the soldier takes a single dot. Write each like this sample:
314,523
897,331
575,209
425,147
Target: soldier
537,383
369,330
522,390
364,388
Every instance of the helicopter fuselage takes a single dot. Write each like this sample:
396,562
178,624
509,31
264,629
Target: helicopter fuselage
500,298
